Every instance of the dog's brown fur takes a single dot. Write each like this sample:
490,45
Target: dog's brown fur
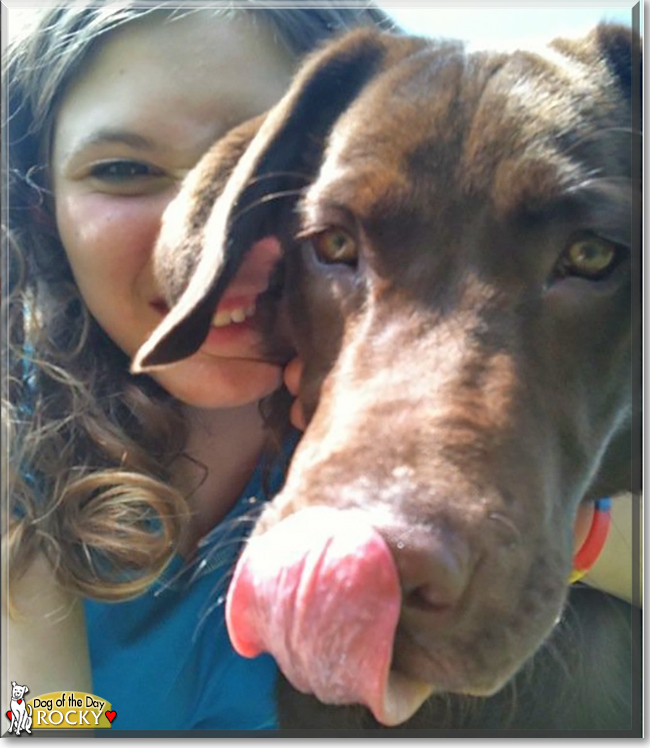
464,390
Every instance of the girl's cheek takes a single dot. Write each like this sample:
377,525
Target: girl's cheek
103,229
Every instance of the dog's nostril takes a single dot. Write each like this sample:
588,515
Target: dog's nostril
426,598
434,571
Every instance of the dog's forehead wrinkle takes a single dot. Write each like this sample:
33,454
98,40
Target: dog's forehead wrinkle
544,103
523,168
403,88
408,103
518,172
357,190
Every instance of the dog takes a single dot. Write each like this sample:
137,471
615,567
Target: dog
21,713
459,233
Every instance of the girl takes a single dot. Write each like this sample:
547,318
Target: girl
117,482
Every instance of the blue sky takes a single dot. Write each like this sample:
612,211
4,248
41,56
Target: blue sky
489,26
482,23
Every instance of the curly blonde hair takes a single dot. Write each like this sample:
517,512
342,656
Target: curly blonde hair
90,449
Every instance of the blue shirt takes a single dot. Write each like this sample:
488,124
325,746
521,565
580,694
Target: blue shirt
164,660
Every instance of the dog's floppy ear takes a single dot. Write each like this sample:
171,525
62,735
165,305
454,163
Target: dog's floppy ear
618,46
621,48
283,154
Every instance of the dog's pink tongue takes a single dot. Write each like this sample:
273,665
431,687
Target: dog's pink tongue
320,592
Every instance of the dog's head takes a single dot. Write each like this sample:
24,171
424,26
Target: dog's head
459,234
17,692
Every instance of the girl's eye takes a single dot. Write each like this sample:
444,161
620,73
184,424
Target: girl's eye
590,257
116,171
336,245
128,178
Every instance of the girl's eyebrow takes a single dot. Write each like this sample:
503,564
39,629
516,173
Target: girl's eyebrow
115,135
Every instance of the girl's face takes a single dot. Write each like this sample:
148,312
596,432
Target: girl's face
150,103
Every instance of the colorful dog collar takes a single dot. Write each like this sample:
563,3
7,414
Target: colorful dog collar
594,543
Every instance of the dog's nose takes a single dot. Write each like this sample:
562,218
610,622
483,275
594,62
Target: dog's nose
434,567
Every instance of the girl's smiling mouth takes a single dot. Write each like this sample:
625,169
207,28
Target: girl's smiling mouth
235,329
227,314
236,321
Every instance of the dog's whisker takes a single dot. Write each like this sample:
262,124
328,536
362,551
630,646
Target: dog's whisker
599,134
505,522
260,178
272,196
214,604
210,565
212,553
597,180
231,531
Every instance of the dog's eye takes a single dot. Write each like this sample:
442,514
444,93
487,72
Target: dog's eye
336,245
590,257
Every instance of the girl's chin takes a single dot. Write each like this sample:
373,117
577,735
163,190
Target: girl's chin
202,382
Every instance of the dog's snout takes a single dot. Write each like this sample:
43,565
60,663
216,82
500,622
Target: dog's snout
434,567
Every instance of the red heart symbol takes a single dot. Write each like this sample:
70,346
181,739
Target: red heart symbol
20,701
110,716
8,715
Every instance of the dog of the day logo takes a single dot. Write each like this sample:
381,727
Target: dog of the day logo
61,709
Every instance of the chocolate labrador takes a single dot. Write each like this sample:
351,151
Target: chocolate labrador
458,234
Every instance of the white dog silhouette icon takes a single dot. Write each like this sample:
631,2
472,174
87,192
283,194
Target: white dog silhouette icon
21,713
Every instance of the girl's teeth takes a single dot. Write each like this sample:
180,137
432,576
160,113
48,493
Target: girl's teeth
221,319
233,316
